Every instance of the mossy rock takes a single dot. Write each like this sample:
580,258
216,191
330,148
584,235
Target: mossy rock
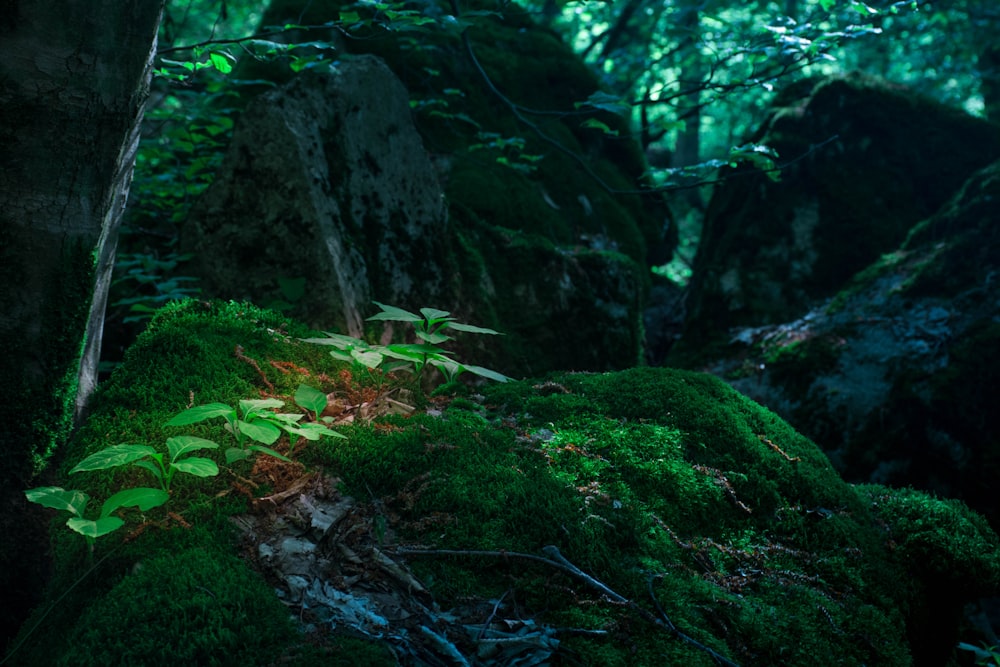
723,531
867,160
896,376
538,204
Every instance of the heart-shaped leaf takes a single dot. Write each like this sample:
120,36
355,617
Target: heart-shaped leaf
197,466
183,444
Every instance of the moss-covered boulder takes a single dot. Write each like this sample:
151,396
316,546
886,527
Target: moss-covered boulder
645,517
515,206
866,160
896,378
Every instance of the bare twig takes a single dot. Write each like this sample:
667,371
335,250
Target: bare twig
557,560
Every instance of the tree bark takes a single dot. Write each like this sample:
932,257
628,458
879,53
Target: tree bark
74,77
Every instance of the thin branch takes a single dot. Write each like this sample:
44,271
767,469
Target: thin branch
556,560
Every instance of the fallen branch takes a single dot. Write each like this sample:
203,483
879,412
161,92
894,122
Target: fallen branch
556,560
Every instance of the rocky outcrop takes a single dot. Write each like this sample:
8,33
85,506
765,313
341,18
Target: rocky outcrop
866,160
327,188
645,517
896,378
326,181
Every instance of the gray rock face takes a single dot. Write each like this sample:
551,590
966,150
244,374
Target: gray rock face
896,378
327,181
866,160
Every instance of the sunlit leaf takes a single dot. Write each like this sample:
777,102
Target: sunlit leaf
201,413
310,398
59,499
182,444
112,457
259,430
143,498
95,529
197,466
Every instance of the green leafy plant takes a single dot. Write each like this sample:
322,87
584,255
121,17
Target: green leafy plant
149,459
429,327
75,502
255,421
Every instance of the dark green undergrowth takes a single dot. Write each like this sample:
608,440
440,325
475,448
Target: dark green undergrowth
686,498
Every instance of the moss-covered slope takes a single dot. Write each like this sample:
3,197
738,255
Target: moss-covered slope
715,529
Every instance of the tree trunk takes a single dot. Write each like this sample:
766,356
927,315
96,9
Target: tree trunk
73,81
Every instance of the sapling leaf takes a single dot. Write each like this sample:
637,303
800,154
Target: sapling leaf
143,498
458,326
432,338
313,431
95,529
433,315
250,405
338,340
234,454
370,358
259,430
197,466
151,467
340,355
59,499
268,451
394,314
311,399
112,457
183,444
202,412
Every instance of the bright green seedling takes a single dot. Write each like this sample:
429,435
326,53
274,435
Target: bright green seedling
255,421
75,502
429,327
149,459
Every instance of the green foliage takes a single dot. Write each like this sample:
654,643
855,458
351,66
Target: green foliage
428,327
255,420
75,502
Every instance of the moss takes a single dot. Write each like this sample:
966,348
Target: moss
191,607
667,486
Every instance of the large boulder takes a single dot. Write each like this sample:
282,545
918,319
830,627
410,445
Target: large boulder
327,188
645,517
866,160
896,378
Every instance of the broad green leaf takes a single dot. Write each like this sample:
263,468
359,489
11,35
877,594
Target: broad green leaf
280,418
340,355
416,350
370,358
197,466
312,431
433,315
221,62
311,399
827,5
269,452
59,499
435,338
143,498
487,373
257,404
201,413
182,444
339,340
95,529
394,314
468,328
151,467
112,457
236,454
259,430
